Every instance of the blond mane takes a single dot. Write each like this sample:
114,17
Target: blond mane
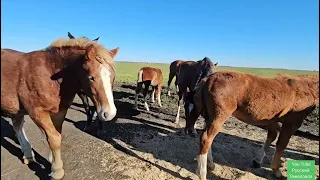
103,55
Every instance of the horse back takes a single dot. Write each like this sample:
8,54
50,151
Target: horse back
174,66
151,74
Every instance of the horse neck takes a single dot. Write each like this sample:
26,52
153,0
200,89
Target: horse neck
65,57
312,83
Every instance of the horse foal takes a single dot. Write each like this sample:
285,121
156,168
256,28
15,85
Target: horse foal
254,100
149,76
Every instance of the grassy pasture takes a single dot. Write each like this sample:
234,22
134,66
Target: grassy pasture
128,71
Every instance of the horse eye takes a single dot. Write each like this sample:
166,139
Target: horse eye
91,78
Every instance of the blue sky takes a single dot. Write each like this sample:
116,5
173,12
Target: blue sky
246,33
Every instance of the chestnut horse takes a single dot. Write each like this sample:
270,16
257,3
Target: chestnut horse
254,100
174,69
149,76
84,98
43,84
90,111
190,72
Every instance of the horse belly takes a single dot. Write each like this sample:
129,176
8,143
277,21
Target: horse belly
250,118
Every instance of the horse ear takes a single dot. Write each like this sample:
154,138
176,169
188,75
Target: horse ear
216,64
96,39
90,52
114,52
70,36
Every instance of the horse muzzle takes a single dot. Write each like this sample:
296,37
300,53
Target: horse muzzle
107,114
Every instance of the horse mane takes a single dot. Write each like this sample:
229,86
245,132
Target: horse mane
103,55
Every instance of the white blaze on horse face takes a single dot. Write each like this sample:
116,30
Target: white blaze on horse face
110,113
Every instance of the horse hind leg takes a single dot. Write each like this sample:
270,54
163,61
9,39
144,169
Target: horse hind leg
272,135
145,94
17,122
153,94
138,90
179,106
159,88
287,130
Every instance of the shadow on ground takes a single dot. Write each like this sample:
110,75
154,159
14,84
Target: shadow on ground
41,167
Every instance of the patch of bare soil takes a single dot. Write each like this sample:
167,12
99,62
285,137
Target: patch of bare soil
147,145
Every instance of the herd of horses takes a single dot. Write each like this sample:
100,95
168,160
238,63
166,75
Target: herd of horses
43,84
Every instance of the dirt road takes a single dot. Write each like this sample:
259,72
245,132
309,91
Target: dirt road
141,145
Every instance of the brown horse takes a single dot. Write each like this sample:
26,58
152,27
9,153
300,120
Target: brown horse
174,69
254,100
84,98
90,111
43,84
189,74
149,76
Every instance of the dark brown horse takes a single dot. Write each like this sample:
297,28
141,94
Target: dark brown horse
189,74
254,100
149,76
174,69
43,84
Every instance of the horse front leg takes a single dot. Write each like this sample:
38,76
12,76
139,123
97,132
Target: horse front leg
171,76
159,88
44,121
85,102
178,112
206,140
191,117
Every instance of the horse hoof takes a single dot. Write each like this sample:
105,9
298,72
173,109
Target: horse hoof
57,176
277,174
100,133
87,129
255,164
211,166
28,160
194,135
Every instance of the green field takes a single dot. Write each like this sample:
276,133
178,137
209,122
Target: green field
127,71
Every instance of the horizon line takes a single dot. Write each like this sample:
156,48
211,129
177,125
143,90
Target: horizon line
127,61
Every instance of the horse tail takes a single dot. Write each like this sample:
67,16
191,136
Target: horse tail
140,76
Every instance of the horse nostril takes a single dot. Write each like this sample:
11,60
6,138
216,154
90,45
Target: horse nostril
105,115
